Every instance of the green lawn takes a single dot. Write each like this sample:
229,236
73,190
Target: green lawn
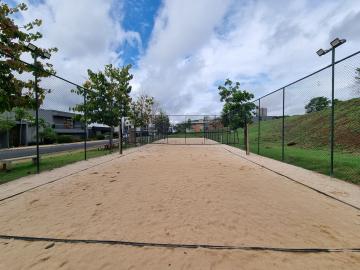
48,162
313,157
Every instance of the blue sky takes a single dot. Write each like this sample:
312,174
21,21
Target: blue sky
139,16
182,49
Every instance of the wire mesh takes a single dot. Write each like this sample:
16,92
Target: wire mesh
307,122
270,126
347,120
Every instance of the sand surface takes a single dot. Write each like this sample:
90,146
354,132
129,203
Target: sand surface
185,194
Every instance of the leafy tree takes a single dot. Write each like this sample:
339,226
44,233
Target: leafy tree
107,96
47,135
317,104
16,92
141,110
162,122
237,108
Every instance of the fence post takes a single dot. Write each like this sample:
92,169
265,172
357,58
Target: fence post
120,136
204,129
283,127
85,127
185,128
246,133
259,119
37,115
332,113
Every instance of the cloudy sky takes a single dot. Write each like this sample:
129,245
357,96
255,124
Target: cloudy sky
181,50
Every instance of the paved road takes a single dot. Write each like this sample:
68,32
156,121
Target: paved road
46,149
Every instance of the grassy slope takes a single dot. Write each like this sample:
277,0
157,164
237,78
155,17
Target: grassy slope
310,133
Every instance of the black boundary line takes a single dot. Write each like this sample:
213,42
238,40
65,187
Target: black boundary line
174,245
169,245
60,178
292,179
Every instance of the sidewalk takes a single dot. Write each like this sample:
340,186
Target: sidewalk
29,182
339,189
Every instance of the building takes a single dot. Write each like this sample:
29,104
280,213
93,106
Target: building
263,112
63,123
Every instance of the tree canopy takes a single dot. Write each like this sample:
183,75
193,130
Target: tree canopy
16,92
107,95
142,110
238,107
317,104
162,122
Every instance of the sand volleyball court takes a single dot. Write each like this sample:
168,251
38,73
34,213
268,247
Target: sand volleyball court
149,210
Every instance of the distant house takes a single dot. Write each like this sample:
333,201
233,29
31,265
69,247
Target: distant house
205,124
63,123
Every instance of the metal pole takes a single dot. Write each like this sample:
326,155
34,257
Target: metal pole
259,119
37,116
283,127
332,114
85,127
185,128
204,129
120,136
228,130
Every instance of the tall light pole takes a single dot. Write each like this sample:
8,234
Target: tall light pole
334,44
36,52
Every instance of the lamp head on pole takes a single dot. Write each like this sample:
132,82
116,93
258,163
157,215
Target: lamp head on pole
335,43
34,49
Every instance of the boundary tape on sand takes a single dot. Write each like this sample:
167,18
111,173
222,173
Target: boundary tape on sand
170,245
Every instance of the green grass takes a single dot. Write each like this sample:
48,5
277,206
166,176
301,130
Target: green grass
310,133
346,165
187,135
48,162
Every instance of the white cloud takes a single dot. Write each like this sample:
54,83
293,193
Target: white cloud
88,35
263,44
196,44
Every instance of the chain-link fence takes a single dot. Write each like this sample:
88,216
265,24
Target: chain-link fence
304,124
55,134
194,129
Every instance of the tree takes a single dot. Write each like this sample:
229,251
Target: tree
107,95
141,110
16,92
162,122
47,135
237,108
317,104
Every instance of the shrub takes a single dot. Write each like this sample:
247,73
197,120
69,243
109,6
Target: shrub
47,136
100,136
65,139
